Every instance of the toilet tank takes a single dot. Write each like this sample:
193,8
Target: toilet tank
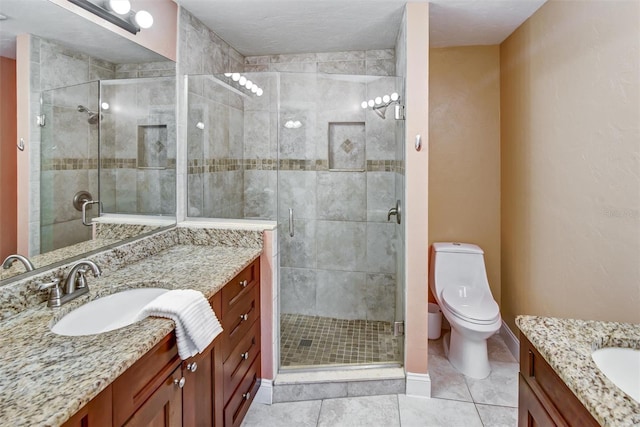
456,264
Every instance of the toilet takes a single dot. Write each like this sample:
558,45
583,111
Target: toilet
458,281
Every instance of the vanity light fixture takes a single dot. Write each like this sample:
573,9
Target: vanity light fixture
379,104
244,83
118,12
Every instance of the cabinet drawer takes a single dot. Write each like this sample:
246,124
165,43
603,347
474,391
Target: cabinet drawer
140,381
240,286
240,401
237,322
558,399
240,359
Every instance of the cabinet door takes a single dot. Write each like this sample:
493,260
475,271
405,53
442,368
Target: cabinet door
531,413
197,394
164,407
96,413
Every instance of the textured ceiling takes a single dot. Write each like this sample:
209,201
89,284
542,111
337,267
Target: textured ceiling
261,27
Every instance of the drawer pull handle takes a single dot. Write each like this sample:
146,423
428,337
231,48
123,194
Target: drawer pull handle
532,370
180,382
246,396
191,367
245,355
244,283
244,317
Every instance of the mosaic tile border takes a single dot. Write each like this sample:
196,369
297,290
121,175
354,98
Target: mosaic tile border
71,163
197,166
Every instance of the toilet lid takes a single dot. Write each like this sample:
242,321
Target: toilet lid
472,304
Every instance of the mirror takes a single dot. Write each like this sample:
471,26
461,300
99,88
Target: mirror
102,128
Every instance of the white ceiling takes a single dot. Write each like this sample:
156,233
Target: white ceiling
262,27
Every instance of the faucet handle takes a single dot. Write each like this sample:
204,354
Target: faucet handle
81,281
55,292
55,283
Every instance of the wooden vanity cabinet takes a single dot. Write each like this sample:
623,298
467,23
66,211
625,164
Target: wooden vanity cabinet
544,399
212,389
96,413
240,343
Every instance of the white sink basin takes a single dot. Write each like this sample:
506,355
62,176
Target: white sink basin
622,367
107,313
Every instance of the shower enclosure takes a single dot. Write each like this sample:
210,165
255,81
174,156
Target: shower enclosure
111,141
305,153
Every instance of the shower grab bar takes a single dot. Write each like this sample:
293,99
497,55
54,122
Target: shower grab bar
291,232
84,210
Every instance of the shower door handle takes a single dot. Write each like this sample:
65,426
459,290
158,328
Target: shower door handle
395,211
84,211
291,232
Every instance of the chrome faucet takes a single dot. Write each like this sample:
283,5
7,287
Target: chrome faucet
8,261
74,286
76,280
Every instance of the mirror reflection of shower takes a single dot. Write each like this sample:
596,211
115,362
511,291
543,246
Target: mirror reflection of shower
93,116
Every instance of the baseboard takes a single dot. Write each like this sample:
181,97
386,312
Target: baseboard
418,385
510,339
265,392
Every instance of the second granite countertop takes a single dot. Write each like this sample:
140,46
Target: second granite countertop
567,344
48,377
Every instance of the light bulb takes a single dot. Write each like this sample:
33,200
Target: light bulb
235,77
259,92
254,88
364,104
200,125
371,103
395,96
386,99
121,7
248,84
378,100
297,124
288,124
105,105
228,74
242,80
144,19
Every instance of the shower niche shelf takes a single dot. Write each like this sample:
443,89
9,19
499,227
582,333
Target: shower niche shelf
347,146
152,146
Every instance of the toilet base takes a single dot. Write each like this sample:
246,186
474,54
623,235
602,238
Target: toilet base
467,356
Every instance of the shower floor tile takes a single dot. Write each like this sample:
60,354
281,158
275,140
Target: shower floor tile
313,340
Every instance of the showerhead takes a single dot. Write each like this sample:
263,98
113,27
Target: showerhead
93,117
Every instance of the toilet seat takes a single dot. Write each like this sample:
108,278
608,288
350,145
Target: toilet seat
471,304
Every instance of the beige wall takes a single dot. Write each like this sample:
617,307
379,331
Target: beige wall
416,203
464,150
570,114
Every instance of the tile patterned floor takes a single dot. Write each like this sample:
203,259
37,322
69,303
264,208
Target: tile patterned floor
457,401
313,340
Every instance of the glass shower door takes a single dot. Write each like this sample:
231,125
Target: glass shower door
339,174
68,162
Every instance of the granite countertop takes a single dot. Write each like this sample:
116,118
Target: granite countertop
567,344
48,377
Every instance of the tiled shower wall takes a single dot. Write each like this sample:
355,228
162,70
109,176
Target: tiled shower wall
215,142
207,170
341,260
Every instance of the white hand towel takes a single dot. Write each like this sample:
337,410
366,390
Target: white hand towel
196,323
